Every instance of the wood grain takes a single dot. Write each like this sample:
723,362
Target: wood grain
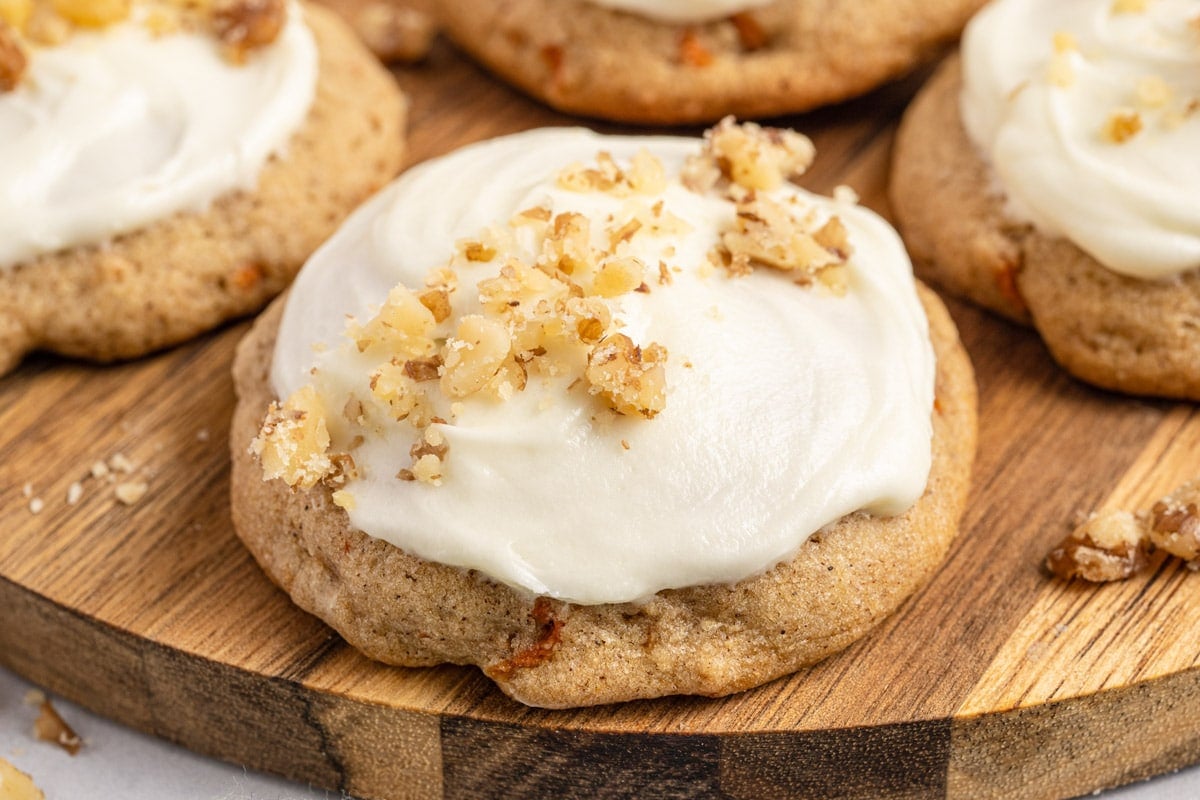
993,681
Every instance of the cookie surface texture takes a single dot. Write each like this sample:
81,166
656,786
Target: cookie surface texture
174,279
787,56
711,640
1120,333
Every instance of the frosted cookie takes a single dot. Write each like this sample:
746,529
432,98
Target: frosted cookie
167,168
677,61
1051,175
628,417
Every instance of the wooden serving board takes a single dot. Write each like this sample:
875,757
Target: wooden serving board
994,681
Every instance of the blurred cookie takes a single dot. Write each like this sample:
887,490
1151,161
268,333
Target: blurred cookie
677,61
1053,182
142,206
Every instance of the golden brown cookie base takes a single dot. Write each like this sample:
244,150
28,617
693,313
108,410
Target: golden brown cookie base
790,56
711,640
172,280
1141,337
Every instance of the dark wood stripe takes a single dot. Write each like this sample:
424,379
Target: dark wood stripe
498,760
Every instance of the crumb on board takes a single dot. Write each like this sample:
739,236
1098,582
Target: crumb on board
51,727
1112,545
117,471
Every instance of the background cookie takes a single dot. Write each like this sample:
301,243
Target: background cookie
708,640
179,277
1137,336
788,56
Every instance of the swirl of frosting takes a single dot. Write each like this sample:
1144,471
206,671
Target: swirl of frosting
787,407
682,12
1087,111
118,128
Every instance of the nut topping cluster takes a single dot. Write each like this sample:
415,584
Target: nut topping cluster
1113,545
549,308
241,26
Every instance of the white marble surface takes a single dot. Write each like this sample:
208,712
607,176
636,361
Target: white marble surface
117,762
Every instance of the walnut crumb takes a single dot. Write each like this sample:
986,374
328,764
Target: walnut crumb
12,59
768,234
131,492
749,156
1122,125
644,175
51,727
1108,546
632,379
1112,545
395,33
245,25
1175,523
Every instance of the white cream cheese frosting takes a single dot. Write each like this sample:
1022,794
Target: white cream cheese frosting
1044,84
118,128
787,407
682,12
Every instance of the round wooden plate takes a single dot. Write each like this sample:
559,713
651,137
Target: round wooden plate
994,681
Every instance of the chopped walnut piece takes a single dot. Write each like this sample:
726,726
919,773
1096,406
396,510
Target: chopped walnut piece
393,388
395,33
423,369
1175,523
438,303
293,441
749,155
568,249
617,276
403,327
474,355
645,175
768,234
50,727
432,443
1108,546
342,469
1122,125
477,251
12,59
1112,545
245,25
632,379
